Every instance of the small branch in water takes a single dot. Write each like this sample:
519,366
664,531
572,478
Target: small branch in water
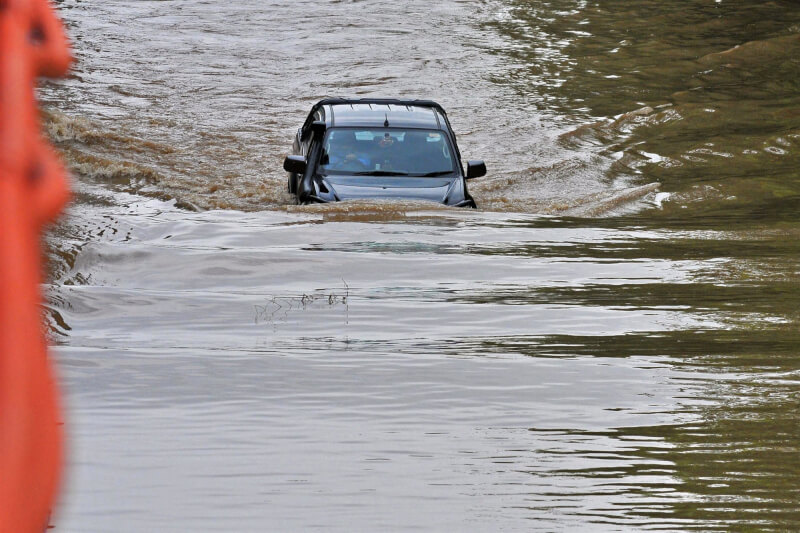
277,308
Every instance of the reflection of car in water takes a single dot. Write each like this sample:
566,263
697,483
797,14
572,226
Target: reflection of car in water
378,148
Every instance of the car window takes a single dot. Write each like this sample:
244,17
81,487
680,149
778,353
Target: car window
413,152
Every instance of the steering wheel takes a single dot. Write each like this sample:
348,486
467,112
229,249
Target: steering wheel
354,165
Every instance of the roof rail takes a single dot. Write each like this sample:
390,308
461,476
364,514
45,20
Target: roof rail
381,101
384,101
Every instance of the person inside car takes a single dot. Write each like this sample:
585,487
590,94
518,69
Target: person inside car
387,154
343,153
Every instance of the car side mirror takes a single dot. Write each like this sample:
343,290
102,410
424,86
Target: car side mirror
295,164
475,169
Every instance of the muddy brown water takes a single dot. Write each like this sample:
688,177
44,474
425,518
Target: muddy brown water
609,343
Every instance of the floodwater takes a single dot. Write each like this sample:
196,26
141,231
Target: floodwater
609,343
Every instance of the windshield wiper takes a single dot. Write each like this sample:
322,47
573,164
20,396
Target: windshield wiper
381,173
437,173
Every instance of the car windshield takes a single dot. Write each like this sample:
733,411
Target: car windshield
386,152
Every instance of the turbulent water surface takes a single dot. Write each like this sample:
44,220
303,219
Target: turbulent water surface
610,342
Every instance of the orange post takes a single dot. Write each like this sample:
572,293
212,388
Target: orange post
33,189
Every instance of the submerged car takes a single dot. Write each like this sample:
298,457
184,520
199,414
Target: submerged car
378,149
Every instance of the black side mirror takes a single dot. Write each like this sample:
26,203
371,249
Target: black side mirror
295,164
476,169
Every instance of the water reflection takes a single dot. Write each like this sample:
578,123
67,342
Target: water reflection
699,97
618,377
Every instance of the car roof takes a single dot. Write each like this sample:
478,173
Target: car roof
375,112
396,115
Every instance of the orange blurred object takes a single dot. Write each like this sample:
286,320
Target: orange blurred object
33,189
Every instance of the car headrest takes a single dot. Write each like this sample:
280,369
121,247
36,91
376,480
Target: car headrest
416,139
344,138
